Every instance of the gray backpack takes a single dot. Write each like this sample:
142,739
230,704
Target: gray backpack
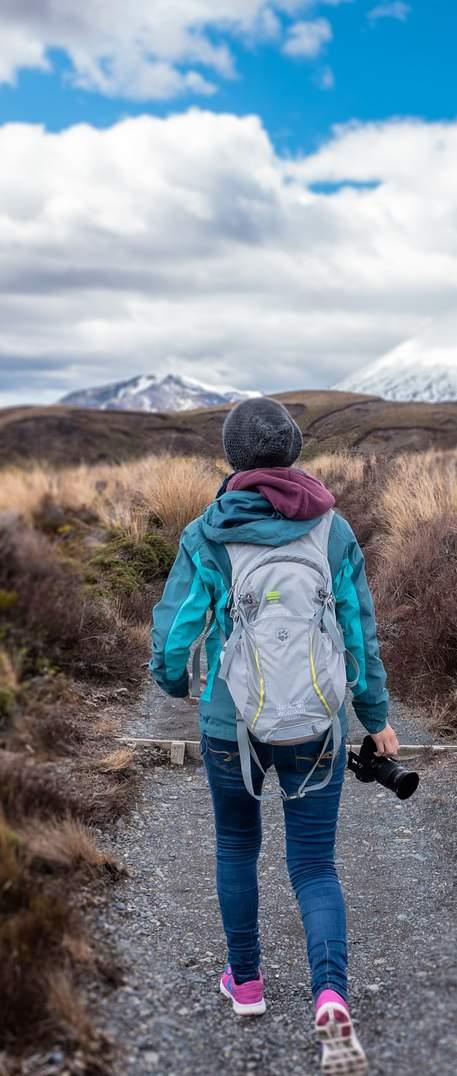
285,661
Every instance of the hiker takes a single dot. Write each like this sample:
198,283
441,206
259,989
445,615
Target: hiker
307,585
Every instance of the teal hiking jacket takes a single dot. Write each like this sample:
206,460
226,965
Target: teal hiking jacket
201,579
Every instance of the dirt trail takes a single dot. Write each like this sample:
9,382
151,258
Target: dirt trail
398,867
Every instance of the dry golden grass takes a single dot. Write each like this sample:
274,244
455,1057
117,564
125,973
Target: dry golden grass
167,491
337,470
419,490
64,843
78,948
56,775
118,761
24,490
442,716
10,671
66,1008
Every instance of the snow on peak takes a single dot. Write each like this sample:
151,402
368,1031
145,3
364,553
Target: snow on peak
150,393
422,368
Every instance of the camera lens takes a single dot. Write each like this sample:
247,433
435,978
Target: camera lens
406,784
394,777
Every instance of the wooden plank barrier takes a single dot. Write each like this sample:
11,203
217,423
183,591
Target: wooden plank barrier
180,750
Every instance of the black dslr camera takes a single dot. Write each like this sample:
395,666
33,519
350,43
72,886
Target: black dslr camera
386,771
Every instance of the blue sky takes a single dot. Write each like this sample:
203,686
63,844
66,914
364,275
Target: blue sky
401,64
255,178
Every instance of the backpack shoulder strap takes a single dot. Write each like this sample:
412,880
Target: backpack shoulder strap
322,531
196,678
247,752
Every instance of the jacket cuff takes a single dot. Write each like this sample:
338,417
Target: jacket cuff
373,718
178,689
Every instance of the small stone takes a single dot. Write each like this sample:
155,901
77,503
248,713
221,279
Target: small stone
56,1057
151,1057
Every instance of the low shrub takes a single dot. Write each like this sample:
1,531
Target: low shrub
57,620
124,566
415,590
41,933
61,789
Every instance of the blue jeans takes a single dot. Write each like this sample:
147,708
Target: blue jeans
310,825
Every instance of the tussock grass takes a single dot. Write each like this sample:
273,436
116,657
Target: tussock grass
66,1007
338,470
119,761
83,552
10,680
164,491
420,489
60,788
415,589
66,843
25,490
404,511
33,922
65,626
57,776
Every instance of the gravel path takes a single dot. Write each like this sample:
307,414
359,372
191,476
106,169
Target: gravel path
397,864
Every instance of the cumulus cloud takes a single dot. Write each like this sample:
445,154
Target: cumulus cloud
152,50
307,39
396,10
189,244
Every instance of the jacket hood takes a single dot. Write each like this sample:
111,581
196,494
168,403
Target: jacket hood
247,516
292,492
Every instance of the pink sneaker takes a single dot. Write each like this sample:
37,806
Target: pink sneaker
247,999
342,1054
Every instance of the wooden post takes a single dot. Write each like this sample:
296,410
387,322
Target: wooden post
177,752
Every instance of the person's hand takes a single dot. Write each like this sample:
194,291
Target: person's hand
386,741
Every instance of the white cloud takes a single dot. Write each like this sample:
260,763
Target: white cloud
396,10
307,39
18,50
188,243
326,79
268,25
291,7
157,49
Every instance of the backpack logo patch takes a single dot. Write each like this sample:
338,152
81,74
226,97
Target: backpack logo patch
282,635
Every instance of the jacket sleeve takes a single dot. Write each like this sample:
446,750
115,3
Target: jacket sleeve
356,615
178,620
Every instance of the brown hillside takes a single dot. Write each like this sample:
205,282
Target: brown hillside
329,420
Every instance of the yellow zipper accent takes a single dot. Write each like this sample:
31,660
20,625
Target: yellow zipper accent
316,687
261,688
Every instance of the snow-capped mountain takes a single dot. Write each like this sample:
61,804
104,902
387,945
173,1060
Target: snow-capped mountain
150,393
423,368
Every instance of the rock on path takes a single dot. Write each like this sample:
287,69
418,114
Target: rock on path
397,865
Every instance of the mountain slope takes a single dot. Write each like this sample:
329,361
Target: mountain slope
423,368
330,421
154,394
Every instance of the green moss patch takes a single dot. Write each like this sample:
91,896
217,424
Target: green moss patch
122,565
8,599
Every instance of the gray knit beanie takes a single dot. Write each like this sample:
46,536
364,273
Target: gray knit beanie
261,433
